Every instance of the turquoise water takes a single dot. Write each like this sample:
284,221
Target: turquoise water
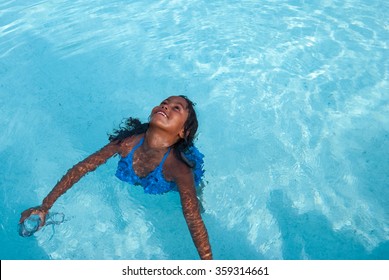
292,98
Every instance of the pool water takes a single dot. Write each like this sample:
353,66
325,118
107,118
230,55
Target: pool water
293,105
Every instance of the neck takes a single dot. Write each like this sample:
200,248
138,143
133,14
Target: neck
156,139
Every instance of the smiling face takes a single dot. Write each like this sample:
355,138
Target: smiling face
171,115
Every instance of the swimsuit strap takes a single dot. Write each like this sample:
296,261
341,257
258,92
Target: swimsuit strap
162,161
164,158
154,182
138,145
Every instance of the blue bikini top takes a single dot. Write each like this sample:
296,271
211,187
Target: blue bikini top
155,182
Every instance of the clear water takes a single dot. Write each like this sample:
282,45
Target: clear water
292,98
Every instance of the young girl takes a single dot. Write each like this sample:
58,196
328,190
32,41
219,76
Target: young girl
159,156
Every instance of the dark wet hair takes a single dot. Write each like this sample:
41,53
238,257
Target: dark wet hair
133,126
128,127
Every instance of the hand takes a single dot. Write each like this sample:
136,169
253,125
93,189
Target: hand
34,211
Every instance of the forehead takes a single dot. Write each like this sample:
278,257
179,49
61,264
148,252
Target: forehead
179,100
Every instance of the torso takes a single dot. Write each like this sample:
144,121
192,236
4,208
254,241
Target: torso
143,163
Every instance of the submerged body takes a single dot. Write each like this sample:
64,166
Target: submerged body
155,182
148,159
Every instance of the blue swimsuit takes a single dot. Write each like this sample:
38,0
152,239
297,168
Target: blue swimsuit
154,182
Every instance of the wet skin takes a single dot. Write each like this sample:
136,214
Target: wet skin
166,127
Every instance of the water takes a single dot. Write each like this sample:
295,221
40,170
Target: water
292,98
29,226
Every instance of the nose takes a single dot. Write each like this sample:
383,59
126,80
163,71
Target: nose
164,106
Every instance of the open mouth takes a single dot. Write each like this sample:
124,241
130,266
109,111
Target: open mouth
162,113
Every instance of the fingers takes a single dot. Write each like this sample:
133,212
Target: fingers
29,223
33,211
25,214
42,217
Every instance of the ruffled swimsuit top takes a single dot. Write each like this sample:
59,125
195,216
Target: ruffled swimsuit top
155,182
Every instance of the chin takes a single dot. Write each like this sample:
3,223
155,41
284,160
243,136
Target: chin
157,122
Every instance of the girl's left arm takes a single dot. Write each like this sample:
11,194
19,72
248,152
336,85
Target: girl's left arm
190,207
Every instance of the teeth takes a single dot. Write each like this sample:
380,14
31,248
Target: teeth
162,113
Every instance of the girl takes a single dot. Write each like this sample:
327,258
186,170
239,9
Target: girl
159,156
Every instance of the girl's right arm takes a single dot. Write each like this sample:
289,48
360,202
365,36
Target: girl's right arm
70,178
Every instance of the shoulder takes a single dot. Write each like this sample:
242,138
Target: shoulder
178,171
126,145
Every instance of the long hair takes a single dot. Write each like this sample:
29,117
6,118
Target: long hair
133,126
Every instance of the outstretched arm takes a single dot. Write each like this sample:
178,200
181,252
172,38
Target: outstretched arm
77,172
70,178
190,207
